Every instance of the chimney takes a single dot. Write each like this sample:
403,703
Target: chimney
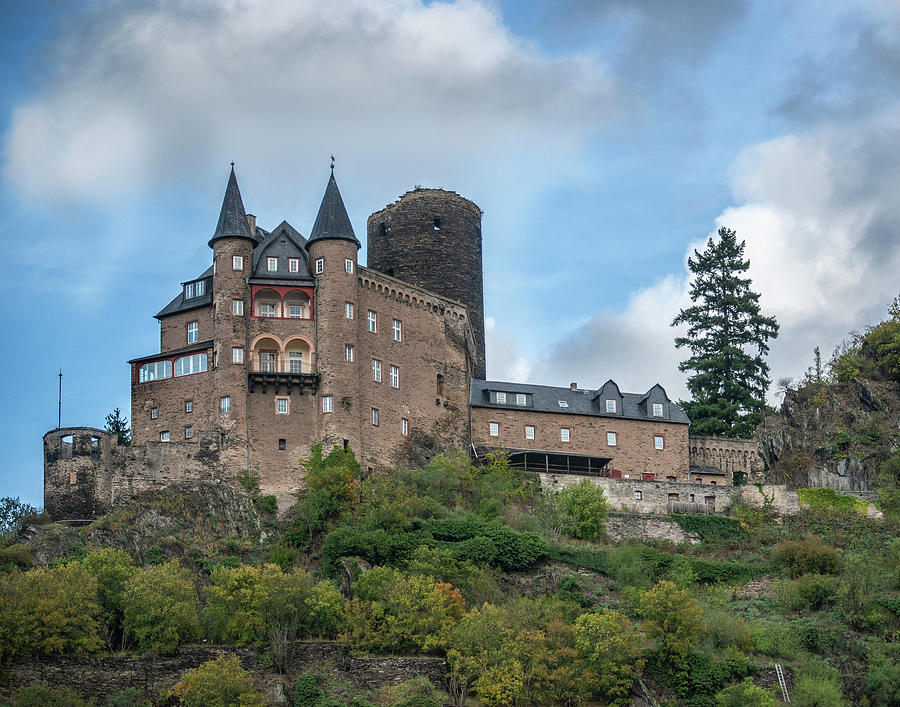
573,386
251,221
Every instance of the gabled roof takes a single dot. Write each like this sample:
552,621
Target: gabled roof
180,304
232,218
283,242
545,398
332,221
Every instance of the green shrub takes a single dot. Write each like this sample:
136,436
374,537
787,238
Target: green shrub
673,617
809,591
714,528
583,510
15,556
307,691
42,695
217,683
418,692
284,556
129,697
154,555
818,685
882,684
745,694
611,647
829,498
111,568
775,638
817,634
160,607
698,677
266,504
809,555
726,631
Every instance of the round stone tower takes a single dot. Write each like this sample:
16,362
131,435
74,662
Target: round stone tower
432,238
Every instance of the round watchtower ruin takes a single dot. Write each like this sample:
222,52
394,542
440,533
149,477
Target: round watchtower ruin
432,238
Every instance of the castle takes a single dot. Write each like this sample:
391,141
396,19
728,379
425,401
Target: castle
286,341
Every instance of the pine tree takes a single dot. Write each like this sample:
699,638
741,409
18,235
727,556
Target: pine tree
728,340
117,424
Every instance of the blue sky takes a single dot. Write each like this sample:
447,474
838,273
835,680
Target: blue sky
604,141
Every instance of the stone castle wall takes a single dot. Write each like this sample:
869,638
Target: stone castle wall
727,455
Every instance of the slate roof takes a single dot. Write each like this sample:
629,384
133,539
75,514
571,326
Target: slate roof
191,348
180,304
293,246
232,218
545,398
332,220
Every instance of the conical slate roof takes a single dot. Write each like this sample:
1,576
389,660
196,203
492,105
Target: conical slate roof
332,220
232,217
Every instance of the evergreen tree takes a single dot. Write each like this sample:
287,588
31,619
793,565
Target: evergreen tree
728,340
118,425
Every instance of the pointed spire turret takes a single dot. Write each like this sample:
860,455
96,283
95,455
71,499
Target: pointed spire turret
332,221
232,217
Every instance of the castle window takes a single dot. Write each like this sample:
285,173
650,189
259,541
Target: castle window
404,426
272,264
320,266
437,223
692,498
657,410
670,479
193,332
266,309
190,364
282,445
267,361
188,432
398,329
395,376
154,371
529,431
237,307
281,406
520,399
673,498
348,353
374,417
95,442
73,477
710,502
658,442
348,310
372,320
189,406
189,290
226,403
237,262
348,265
376,370
563,403
294,264
638,495
698,480
610,406
501,398
440,384
237,354
494,429
327,403
295,362
295,311
610,439
164,436
382,229
712,483
563,434
154,413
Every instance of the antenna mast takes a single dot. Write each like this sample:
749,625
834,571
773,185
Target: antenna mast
59,419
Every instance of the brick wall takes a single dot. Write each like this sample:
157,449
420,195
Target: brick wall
173,329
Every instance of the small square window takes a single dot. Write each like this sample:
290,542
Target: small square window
193,332
272,264
189,406
237,307
189,290
327,403
395,376
188,432
404,426
610,439
698,481
529,431
348,310
372,321
154,413
692,498
266,310
670,479
348,265
658,442
282,445
374,417
398,329
563,403
320,266
520,398
494,429
237,262
501,398
293,264
563,434
610,406
226,404
281,406
237,354
376,370
348,352
164,436
295,311
638,495
657,410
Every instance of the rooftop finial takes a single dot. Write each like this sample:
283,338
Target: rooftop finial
332,163
232,164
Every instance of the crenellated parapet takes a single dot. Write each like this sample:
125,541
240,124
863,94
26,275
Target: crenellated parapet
721,456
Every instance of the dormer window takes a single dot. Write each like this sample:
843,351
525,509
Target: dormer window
520,399
272,264
189,290
657,410
610,406
294,264
563,403
501,398
200,288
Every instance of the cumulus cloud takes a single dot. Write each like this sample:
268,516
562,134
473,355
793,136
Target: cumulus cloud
819,214
144,93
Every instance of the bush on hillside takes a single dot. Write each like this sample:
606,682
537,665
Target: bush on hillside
218,683
745,694
809,555
674,618
42,695
583,510
160,608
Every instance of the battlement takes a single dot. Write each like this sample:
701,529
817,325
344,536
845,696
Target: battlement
75,471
